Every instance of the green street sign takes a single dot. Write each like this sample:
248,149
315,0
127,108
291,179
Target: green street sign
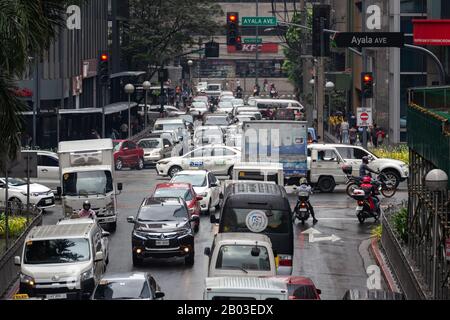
252,40
259,21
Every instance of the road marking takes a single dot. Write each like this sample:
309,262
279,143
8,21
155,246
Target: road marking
312,238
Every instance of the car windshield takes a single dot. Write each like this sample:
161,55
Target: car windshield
234,220
56,251
122,289
171,192
196,180
87,183
166,212
208,132
150,144
15,182
217,120
199,104
234,257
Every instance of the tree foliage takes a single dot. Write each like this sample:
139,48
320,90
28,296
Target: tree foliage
161,29
26,30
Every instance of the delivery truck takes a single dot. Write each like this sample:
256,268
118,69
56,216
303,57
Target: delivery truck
87,173
284,142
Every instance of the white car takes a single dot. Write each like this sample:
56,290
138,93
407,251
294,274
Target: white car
238,102
48,169
205,184
198,108
218,159
208,135
40,196
225,107
155,149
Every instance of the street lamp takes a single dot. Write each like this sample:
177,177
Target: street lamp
146,86
129,89
436,180
190,64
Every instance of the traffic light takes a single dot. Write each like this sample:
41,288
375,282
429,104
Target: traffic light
321,20
233,34
163,75
103,68
367,84
212,49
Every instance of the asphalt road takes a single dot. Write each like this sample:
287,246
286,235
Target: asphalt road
333,266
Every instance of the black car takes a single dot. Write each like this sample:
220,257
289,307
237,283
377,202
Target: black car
163,229
128,286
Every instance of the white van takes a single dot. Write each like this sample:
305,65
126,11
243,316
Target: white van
64,261
245,288
267,172
172,124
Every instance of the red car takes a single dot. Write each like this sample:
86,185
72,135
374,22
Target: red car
301,288
128,154
184,191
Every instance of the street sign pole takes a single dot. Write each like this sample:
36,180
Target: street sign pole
257,48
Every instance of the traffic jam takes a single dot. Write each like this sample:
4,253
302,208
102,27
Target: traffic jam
222,200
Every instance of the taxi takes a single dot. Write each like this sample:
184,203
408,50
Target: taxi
218,159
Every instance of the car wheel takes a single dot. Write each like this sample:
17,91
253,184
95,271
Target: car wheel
174,170
361,218
15,205
137,262
392,177
119,164
140,164
112,226
326,184
190,259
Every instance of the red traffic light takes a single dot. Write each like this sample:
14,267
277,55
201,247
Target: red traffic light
367,78
232,18
104,57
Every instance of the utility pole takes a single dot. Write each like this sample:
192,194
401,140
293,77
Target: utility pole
365,65
320,85
257,47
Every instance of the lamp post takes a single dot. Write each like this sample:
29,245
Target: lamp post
436,180
329,86
313,115
146,87
129,89
190,64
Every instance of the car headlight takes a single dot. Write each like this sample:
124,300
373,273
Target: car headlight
139,235
110,209
87,275
184,232
163,162
27,279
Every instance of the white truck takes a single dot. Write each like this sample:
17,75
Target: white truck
87,173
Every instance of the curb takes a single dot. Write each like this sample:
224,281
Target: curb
375,250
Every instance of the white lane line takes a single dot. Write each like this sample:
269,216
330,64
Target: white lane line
336,219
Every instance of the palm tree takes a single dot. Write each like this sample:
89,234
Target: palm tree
26,30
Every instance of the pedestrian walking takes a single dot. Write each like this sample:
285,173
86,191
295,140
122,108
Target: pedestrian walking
373,135
353,135
344,130
124,130
266,86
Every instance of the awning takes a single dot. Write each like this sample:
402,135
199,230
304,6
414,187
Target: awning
118,107
127,74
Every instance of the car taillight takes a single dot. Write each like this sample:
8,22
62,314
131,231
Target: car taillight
360,203
285,261
303,205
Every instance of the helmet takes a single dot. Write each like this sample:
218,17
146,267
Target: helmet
367,180
365,160
303,181
86,205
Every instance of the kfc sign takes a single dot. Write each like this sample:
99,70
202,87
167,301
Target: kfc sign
251,48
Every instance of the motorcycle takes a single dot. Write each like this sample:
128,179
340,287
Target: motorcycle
302,209
388,189
368,203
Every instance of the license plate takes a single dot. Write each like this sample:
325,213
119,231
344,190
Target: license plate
56,296
359,208
48,201
162,242
303,210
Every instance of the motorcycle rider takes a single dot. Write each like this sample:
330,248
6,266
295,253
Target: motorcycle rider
364,169
87,212
305,187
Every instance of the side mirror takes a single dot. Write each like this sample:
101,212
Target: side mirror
199,198
58,191
99,256
319,291
207,251
17,261
120,186
213,219
159,295
131,219
105,234
166,146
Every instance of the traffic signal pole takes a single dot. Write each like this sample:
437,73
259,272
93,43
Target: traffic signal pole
320,85
257,47
365,65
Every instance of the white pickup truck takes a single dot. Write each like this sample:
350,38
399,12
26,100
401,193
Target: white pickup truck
325,163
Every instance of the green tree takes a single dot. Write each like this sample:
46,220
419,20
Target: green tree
160,30
26,30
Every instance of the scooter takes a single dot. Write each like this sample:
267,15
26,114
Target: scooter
302,210
368,203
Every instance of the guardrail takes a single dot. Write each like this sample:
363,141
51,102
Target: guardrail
8,271
399,261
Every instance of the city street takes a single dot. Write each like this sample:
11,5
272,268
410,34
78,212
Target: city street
333,266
